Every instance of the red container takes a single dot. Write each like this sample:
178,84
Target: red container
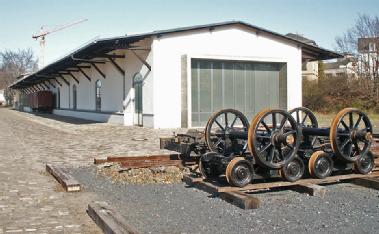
41,101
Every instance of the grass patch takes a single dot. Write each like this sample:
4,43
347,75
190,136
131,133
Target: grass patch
324,120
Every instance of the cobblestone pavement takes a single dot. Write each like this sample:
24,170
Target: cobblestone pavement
30,199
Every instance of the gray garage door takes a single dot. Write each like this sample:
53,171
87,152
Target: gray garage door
246,86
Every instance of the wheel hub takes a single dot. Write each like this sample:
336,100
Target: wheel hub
241,172
365,162
293,168
322,165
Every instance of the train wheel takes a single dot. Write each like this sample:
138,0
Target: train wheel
207,170
320,165
293,170
239,172
217,130
273,138
364,164
350,134
305,118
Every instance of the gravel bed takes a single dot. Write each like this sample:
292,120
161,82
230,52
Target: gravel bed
177,208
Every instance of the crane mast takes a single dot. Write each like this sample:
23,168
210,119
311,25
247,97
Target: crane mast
42,39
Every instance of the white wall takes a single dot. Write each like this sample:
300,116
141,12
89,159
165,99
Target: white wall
2,98
234,43
133,66
99,117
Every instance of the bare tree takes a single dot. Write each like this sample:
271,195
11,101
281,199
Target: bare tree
362,41
13,64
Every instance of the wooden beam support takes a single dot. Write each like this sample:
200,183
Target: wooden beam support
43,84
108,219
110,56
312,189
73,77
242,200
98,70
72,70
46,76
64,73
46,85
91,61
88,78
67,83
238,198
56,80
69,183
82,66
117,66
51,84
367,182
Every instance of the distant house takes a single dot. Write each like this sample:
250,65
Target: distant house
2,87
309,66
368,56
2,98
342,67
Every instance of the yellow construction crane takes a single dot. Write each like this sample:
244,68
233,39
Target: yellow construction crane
42,35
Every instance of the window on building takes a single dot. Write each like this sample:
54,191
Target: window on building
74,97
98,95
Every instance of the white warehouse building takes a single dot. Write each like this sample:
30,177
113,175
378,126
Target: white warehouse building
176,78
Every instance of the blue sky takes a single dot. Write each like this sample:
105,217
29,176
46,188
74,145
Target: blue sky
320,20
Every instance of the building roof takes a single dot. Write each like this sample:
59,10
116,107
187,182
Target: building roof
301,38
340,62
100,47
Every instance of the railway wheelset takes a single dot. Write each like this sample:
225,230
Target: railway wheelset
290,145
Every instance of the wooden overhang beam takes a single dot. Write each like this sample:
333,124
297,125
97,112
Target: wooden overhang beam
45,76
98,70
48,81
56,80
81,70
64,73
73,77
72,70
41,86
122,71
82,66
64,79
114,56
45,85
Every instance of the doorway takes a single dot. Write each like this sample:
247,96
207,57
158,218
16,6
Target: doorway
137,85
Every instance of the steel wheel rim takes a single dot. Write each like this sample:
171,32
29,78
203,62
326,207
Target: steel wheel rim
241,173
263,141
305,118
346,139
217,140
323,166
365,164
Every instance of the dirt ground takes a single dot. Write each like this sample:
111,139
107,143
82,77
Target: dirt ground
32,201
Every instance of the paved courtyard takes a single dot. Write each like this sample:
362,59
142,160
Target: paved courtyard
30,199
